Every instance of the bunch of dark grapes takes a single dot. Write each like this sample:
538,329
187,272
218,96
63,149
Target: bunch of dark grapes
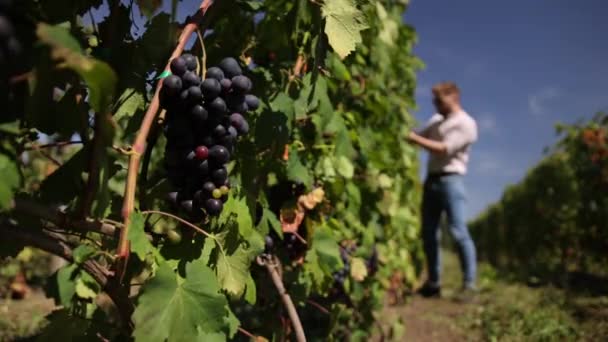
203,121
340,276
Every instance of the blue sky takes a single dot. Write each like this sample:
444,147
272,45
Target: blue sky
522,66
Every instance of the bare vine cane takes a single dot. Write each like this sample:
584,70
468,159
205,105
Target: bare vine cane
272,264
139,146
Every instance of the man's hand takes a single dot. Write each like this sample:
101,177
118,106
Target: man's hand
428,144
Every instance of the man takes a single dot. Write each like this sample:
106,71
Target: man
448,137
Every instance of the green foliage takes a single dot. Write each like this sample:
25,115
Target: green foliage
336,80
553,221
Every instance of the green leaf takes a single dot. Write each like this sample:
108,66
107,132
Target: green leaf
148,7
327,250
63,287
269,221
343,25
82,253
344,167
282,103
358,269
236,212
296,171
169,310
84,291
140,245
390,29
271,130
231,261
65,183
99,77
250,291
10,181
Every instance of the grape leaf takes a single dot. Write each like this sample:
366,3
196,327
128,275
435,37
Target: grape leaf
296,171
140,245
65,183
358,269
326,248
169,310
148,7
231,261
62,287
250,291
390,28
82,253
269,221
343,26
344,167
99,76
10,181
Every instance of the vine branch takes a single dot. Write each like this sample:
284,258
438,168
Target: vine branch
272,263
55,244
139,145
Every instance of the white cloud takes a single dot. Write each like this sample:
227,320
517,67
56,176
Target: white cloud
539,101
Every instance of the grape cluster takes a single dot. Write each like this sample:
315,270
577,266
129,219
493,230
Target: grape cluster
340,276
204,118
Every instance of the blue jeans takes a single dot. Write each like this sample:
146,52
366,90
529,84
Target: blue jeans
446,193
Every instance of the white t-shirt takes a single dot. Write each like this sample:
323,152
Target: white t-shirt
458,131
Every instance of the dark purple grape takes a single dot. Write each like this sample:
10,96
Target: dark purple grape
211,88
190,60
219,176
226,83
252,101
208,141
178,66
232,132
172,197
199,114
172,85
236,120
236,103
213,206
241,84
219,131
220,155
187,205
194,94
217,106
244,128
191,79
208,188
215,72
191,156
230,67
203,168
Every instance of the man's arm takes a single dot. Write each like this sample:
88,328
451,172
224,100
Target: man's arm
432,146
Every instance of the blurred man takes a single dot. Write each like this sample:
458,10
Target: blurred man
447,137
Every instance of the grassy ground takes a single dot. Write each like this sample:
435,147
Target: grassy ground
504,311
23,318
